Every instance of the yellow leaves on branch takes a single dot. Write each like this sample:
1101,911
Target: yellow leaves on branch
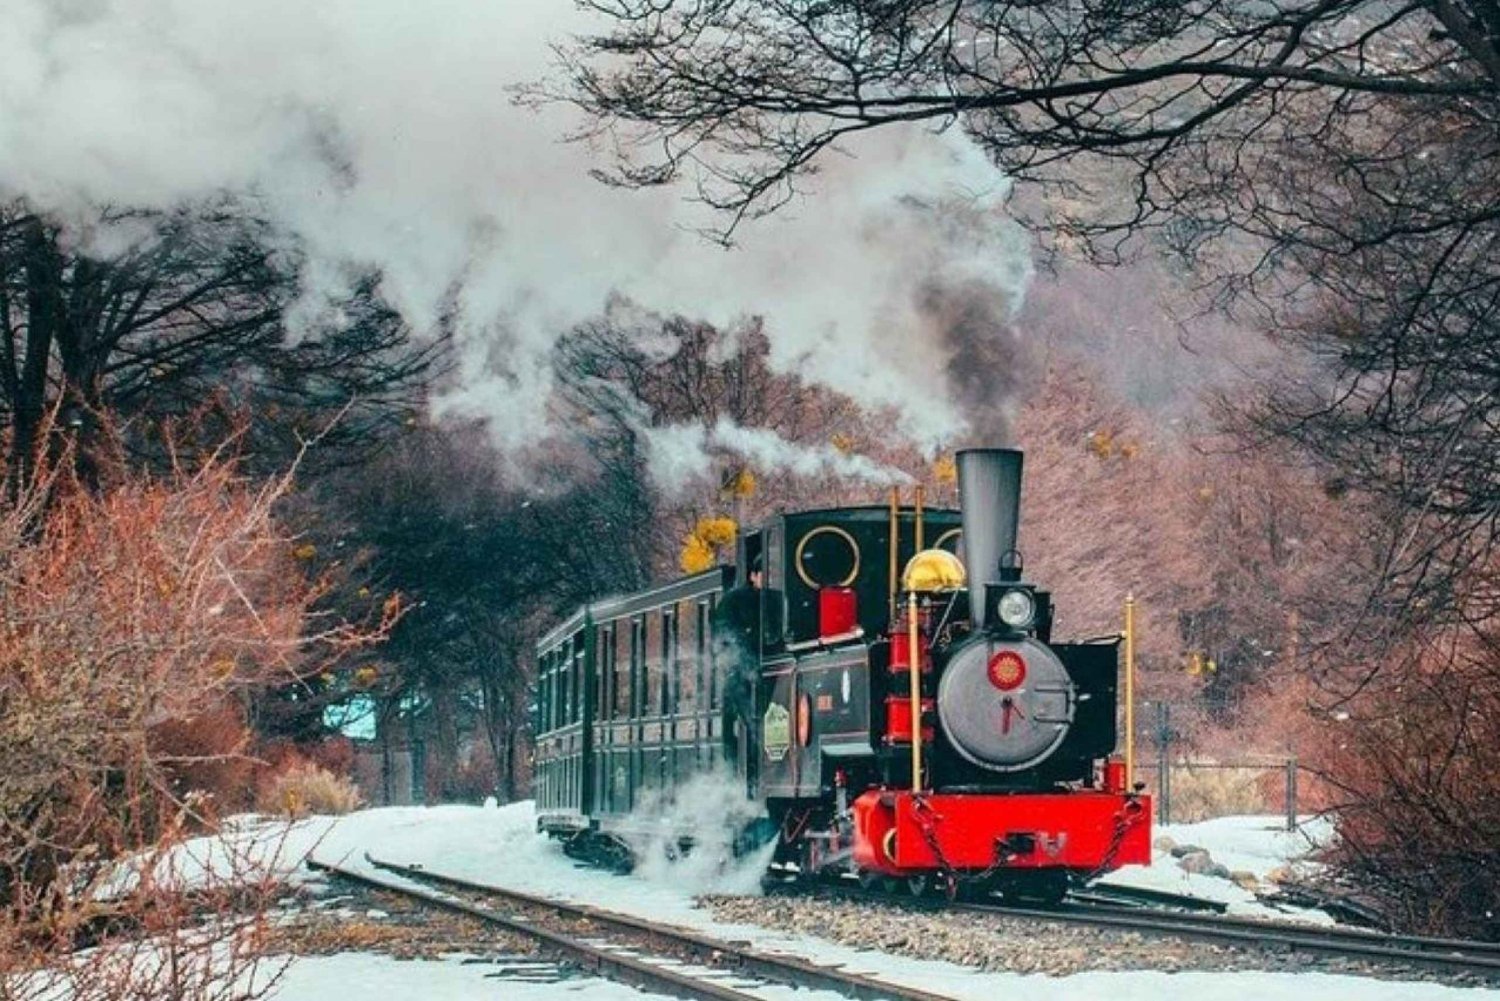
741,484
717,532
1105,445
945,470
1200,663
697,556
701,547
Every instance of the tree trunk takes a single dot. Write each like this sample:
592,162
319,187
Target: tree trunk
509,773
44,317
442,769
384,718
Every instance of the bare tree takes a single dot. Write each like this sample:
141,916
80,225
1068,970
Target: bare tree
482,562
620,381
1184,95
1341,158
189,319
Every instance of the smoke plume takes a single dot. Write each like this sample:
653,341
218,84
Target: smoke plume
682,454
380,136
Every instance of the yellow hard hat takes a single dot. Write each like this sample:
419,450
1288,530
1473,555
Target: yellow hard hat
933,570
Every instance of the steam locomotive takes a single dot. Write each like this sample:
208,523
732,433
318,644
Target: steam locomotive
897,711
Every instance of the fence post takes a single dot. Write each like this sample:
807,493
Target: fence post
1291,794
1163,762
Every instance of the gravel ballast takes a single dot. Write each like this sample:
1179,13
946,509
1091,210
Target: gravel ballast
1024,945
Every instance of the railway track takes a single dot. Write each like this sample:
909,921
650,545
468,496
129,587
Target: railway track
1449,955
1167,916
621,947
675,961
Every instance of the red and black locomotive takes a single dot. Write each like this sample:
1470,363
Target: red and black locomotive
900,710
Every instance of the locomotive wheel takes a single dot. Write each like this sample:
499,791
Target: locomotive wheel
919,886
868,879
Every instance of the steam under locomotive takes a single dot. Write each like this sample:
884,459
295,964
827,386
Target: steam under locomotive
809,672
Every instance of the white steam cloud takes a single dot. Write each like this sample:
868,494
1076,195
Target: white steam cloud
681,454
380,134
710,810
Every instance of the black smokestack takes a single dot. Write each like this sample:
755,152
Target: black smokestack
989,491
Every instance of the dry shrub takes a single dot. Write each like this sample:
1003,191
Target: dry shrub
206,755
475,777
304,788
1208,791
136,617
1414,761
273,757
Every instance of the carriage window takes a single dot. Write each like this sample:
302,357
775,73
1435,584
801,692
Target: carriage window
669,660
559,688
686,621
564,685
548,696
579,678
552,691
551,685
623,660
541,693
710,662
606,656
655,666
703,668
637,676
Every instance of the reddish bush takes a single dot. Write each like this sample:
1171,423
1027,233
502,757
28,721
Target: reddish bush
137,618
275,760
475,777
1413,761
207,755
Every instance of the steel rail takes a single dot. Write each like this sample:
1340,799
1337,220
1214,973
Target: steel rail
604,962
1446,954
1136,896
728,956
1422,943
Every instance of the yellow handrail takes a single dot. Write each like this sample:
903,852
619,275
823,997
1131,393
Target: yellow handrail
913,650
895,539
1129,692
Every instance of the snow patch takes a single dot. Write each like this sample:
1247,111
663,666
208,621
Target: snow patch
1255,844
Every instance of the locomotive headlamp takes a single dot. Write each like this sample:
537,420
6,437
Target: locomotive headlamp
1017,608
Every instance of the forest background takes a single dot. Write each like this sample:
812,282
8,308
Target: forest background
1251,356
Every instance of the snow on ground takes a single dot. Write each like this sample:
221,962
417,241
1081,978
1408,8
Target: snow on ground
1257,845
1253,844
380,978
499,845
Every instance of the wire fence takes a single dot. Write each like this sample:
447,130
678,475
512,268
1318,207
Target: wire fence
1186,788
